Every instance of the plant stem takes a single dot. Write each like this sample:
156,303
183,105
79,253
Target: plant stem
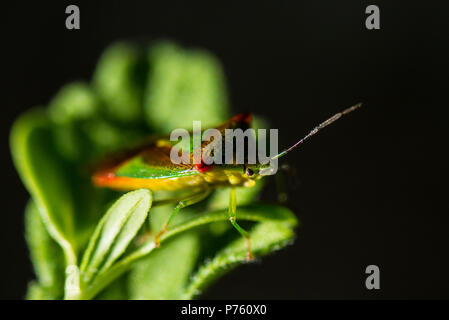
72,283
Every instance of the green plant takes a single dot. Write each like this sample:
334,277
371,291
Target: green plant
77,251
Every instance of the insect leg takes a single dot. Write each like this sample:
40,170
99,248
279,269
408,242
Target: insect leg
232,217
188,201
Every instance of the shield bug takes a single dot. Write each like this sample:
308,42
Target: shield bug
150,166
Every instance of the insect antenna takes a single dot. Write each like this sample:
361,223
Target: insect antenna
318,128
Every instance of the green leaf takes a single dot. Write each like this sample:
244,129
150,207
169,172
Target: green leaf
278,223
46,255
115,231
184,85
106,137
266,237
220,197
119,80
81,130
274,230
164,274
133,93
117,290
72,106
36,292
74,102
250,212
43,174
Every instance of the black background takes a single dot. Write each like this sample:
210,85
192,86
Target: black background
372,189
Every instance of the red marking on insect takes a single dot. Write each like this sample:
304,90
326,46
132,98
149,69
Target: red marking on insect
103,178
244,117
202,167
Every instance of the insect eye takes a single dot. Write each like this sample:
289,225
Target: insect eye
249,172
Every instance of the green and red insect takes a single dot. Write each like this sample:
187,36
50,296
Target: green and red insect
150,166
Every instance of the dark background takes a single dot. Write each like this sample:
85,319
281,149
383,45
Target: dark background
372,189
